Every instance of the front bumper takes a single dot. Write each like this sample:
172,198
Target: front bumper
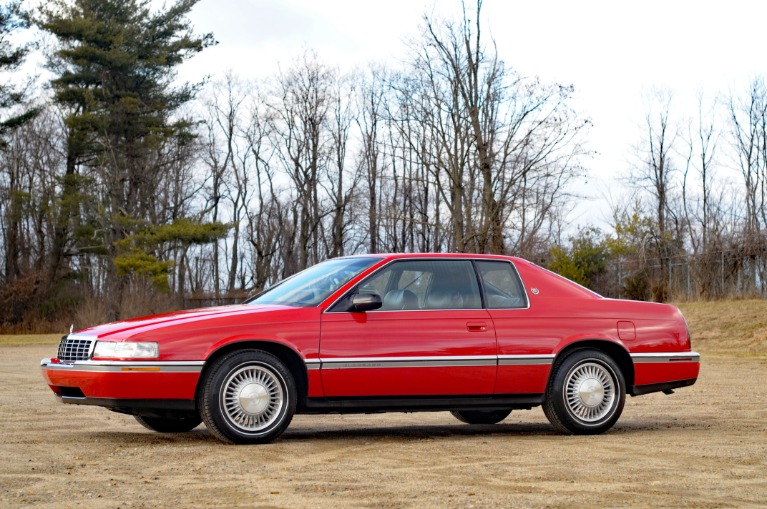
89,382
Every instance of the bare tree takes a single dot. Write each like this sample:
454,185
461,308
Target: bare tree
269,227
748,115
372,96
341,183
504,145
701,206
31,162
654,172
299,112
748,132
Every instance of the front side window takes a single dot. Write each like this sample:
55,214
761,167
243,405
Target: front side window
312,286
425,284
503,289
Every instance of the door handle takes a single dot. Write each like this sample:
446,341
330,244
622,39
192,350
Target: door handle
476,326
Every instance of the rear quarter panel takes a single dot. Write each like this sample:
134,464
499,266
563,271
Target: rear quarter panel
562,315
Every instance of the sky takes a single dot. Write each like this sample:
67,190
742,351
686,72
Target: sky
613,52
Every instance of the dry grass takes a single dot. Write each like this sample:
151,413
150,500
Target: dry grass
30,339
736,327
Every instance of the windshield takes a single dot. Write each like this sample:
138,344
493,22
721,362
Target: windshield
312,286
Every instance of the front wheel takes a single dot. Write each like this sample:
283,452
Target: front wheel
178,424
480,416
248,397
586,393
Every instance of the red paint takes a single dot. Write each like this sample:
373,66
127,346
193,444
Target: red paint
432,333
530,379
626,330
657,372
128,385
561,314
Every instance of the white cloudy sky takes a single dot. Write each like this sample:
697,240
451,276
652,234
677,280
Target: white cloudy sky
613,52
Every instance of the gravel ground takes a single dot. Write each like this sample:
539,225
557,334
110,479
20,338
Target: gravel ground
705,446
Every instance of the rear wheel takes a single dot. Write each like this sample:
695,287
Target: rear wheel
248,397
480,416
586,393
169,424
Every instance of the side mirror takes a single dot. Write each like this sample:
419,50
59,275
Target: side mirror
365,302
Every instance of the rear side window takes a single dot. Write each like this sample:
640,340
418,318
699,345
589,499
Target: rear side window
503,288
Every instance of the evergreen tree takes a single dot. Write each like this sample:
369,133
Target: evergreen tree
115,79
11,57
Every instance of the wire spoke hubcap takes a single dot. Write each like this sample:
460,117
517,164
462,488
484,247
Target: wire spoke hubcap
590,392
252,398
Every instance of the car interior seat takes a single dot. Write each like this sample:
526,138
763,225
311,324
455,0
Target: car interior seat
444,298
400,299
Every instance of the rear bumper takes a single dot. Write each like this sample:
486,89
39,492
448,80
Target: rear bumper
639,390
655,372
106,382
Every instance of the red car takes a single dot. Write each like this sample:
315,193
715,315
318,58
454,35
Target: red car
475,335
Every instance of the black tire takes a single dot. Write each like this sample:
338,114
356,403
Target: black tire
178,424
481,416
586,393
248,397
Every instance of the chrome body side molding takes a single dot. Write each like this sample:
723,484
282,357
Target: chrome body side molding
665,357
126,366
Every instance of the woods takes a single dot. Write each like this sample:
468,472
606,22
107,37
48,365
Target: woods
125,191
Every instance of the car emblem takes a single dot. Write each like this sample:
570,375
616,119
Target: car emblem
534,290
71,328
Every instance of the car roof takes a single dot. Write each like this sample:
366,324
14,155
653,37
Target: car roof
396,256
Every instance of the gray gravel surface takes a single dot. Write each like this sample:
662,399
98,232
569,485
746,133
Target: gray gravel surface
705,446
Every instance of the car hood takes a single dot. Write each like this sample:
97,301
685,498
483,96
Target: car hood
189,317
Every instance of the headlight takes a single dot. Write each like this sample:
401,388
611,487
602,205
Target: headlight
126,350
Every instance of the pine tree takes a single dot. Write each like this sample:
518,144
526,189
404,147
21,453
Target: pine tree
12,112
115,78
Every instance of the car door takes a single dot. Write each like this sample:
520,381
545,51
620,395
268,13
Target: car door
430,337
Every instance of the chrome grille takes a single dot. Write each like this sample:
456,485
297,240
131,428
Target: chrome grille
74,349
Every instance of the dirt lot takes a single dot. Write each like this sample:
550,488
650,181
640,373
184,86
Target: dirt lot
705,446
